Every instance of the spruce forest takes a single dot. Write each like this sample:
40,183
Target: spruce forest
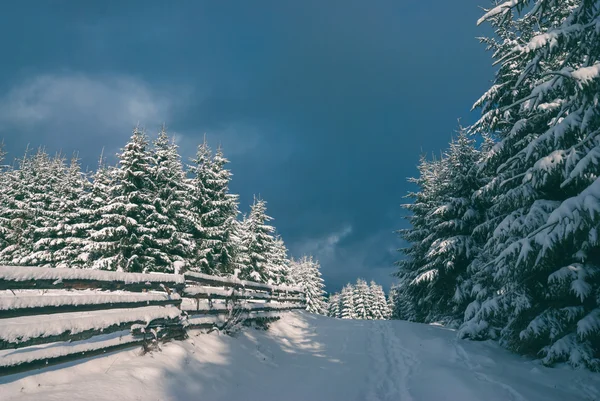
146,214
504,240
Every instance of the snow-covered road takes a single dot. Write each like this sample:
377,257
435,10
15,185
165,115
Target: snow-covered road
308,357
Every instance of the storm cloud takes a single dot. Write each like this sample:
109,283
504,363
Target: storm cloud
322,107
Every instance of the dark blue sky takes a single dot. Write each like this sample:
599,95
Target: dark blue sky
322,107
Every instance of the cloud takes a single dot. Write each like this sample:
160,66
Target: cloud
111,101
344,259
234,138
84,111
324,248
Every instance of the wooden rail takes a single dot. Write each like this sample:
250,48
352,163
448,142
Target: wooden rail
49,316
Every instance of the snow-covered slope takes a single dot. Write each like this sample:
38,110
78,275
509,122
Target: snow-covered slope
309,357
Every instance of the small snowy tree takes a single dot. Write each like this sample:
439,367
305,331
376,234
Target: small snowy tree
241,257
391,301
402,303
378,303
278,270
258,242
347,303
333,305
306,274
361,300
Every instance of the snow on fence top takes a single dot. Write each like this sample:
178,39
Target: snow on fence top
35,302
43,355
49,277
21,331
207,308
237,283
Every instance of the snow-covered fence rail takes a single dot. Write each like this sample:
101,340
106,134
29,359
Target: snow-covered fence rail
210,301
53,315
43,302
230,282
50,316
21,277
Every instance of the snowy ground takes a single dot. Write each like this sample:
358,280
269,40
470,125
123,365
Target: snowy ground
308,357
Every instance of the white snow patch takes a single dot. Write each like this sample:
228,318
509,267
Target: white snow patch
54,350
308,357
21,329
22,273
499,9
587,74
230,281
23,299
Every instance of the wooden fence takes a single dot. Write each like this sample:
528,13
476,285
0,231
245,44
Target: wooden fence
50,316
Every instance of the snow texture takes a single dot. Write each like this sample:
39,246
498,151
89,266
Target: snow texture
232,281
34,298
22,273
223,292
308,357
21,329
499,9
54,350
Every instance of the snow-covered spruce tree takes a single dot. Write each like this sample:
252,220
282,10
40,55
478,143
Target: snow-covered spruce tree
31,202
371,296
333,305
216,211
3,153
403,305
241,257
347,302
60,239
258,241
306,274
443,217
536,283
101,192
171,218
412,270
219,222
121,239
378,308
279,264
5,186
198,196
362,308
452,223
